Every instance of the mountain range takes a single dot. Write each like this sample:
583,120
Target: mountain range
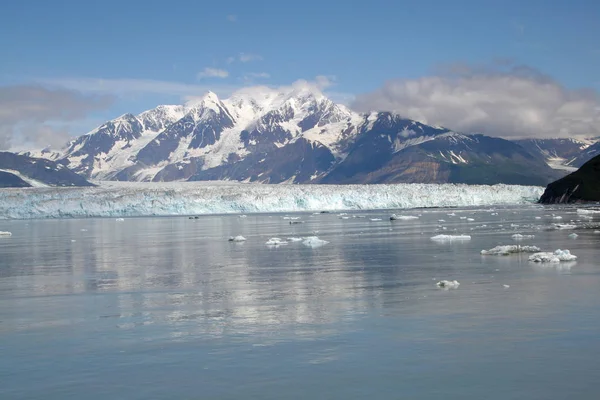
300,136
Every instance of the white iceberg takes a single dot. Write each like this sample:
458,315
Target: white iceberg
450,238
596,231
588,211
395,217
5,233
375,219
314,241
120,219
128,199
556,257
518,236
448,284
294,239
573,236
470,219
237,239
510,249
506,286
274,242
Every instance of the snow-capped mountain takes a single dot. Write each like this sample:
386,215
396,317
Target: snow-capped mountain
18,170
559,153
293,135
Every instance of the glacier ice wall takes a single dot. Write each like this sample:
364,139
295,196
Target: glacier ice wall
146,199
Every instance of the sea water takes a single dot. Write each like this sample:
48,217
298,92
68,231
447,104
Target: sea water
169,308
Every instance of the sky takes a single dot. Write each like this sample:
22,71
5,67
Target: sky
67,66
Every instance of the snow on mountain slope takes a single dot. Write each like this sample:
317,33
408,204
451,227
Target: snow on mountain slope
119,199
559,153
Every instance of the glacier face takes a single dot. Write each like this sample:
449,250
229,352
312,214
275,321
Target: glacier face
119,199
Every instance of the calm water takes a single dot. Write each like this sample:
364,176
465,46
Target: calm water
167,308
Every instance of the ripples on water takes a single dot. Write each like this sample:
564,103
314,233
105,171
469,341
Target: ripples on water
169,308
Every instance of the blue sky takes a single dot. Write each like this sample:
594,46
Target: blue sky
151,52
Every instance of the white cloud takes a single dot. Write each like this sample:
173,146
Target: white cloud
232,18
246,57
256,75
29,113
212,73
509,102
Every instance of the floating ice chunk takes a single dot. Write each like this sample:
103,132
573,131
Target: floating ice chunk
450,238
83,230
564,226
448,284
242,216
538,217
556,257
73,240
291,218
462,217
275,242
395,217
586,211
120,219
344,217
510,249
573,236
237,239
5,233
451,215
441,220
470,219
314,241
294,239
375,219
518,236
596,231
556,217
296,222
506,286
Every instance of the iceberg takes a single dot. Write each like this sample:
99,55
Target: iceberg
395,217
314,241
129,199
237,239
573,236
5,234
510,249
274,242
450,238
518,236
556,257
564,226
448,284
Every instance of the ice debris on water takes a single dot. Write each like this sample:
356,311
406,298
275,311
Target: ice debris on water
314,241
506,286
588,211
395,217
448,284
275,242
375,219
510,249
242,216
518,236
237,239
596,231
294,239
5,233
449,238
556,257
573,236
564,226
470,219
120,219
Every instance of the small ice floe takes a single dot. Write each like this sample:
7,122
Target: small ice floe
556,257
588,211
120,219
573,236
237,239
73,240
274,242
83,230
314,241
450,238
395,217
510,249
470,219
462,217
506,286
538,217
294,239
494,214
5,234
344,217
448,284
296,222
596,232
375,219
242,216
441,220
451,215
291,218
518,236
556,217
564,226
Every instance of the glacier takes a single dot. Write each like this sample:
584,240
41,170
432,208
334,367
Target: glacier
136,199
